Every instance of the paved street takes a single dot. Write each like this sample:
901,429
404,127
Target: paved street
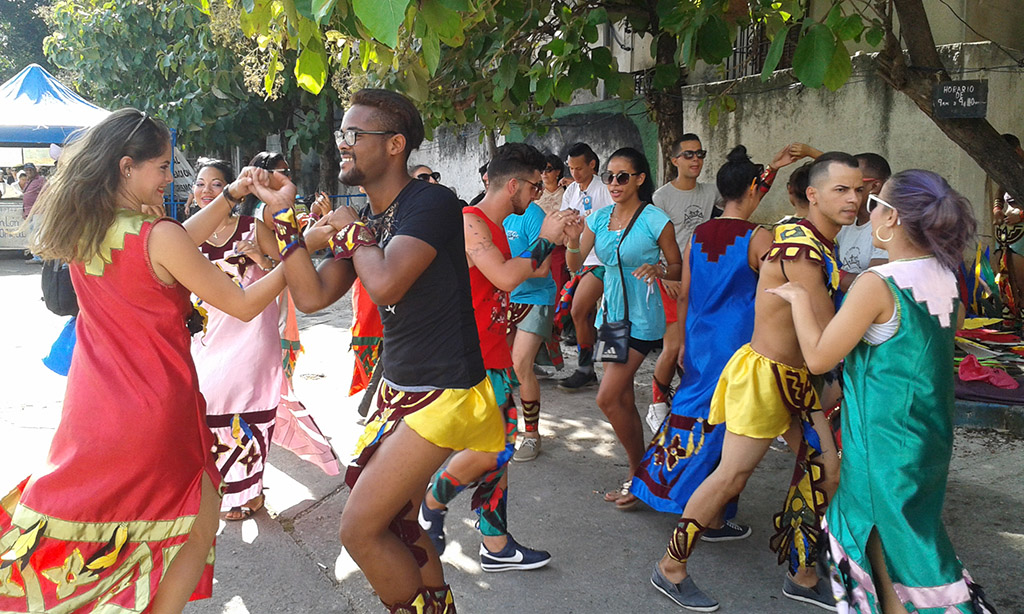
288,558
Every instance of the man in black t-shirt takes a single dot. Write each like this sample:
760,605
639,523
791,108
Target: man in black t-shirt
408,251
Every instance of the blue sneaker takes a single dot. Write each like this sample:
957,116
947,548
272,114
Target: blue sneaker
432,523
513,557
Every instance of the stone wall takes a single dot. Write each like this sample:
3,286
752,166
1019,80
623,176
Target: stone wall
864,115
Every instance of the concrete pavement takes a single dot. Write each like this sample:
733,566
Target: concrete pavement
288,558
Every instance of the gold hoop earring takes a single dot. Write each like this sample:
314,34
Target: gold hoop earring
878,235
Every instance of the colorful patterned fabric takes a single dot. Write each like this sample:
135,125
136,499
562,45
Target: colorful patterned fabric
803,240
719,320
489,498
367,333
241,402
454,418
897,445
758,397
95,529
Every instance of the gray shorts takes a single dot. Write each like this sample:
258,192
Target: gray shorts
538,320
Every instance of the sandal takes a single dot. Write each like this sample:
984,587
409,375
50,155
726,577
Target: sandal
244,512
613,496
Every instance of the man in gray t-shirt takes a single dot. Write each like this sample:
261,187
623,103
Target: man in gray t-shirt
687,202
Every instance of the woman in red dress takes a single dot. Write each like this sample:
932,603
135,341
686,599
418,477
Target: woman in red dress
124,512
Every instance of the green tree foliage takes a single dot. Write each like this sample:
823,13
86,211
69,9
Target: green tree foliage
165,57
22,31
504,61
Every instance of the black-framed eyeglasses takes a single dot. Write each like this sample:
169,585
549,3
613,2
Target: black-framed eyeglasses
538,187
350,136
688,154
136,128
874,201
621,178
436,176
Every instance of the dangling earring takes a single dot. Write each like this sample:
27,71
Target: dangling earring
878,235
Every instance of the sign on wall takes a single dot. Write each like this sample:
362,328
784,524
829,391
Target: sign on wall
10,223
960,99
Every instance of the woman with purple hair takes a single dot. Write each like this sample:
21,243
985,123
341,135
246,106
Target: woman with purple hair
888,548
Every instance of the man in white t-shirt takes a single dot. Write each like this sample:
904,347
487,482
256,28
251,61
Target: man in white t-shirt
854,242
586,194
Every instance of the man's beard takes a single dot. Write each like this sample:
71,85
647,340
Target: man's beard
353,177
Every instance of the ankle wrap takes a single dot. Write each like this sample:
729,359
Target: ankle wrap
683,538
531,415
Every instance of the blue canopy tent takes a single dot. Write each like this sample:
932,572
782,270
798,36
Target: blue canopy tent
36,110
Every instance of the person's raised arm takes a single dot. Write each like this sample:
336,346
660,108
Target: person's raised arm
869,300
506,275
387,274
174,257
579,240
312,288
202,224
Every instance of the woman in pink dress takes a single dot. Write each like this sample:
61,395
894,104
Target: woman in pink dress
238,363
124,512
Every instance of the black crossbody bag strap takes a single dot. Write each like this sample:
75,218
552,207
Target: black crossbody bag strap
618,258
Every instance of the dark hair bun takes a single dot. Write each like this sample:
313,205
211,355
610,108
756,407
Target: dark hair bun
738,154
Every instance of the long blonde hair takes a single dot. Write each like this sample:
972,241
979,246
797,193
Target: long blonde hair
79,202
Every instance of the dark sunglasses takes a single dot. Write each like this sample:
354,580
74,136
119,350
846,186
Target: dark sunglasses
537,187
548,170
688,154
287,172
436,176
618,178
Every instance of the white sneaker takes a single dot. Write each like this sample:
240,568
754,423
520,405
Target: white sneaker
656,413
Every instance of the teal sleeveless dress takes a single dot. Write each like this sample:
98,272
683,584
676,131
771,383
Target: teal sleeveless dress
897,443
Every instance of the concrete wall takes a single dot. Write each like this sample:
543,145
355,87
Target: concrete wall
864,115
456,152
606,125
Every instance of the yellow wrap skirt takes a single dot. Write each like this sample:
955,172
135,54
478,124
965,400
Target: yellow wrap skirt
758,397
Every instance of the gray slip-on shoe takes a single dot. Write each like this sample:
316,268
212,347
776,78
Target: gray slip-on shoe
686,593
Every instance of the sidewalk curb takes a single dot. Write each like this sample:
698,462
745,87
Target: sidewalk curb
974,414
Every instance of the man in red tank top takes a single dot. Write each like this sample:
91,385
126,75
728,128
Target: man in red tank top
515,180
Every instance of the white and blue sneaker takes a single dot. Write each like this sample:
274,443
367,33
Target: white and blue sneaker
513,557
432,523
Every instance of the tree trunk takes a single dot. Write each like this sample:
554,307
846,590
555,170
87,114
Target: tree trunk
977,137
666,108
329,158
492,145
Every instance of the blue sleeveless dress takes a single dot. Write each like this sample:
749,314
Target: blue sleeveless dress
719,320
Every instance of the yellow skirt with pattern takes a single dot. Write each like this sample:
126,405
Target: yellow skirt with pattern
759,397
457,419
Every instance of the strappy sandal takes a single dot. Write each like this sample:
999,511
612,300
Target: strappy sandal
244,512
620,494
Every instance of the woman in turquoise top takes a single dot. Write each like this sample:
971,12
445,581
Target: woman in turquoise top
888,548
651,235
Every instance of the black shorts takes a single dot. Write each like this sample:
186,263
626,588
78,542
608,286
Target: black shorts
644,347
